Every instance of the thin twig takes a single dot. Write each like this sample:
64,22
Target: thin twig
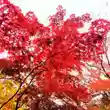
19,87
25,90
104,70
17,103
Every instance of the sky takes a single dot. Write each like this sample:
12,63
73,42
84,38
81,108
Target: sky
44,8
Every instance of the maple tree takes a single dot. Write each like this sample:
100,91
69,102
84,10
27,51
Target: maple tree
42,57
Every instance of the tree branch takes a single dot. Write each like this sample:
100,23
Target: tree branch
19,86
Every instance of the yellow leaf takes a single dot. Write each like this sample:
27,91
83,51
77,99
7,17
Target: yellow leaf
1,85
20,109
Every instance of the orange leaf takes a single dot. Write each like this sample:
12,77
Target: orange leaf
100,85
94,108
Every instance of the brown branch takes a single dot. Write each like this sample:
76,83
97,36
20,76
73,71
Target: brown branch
19,87
16,91
107,59
26,89
17,103
104,69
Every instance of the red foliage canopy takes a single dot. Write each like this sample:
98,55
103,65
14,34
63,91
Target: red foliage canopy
57,48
